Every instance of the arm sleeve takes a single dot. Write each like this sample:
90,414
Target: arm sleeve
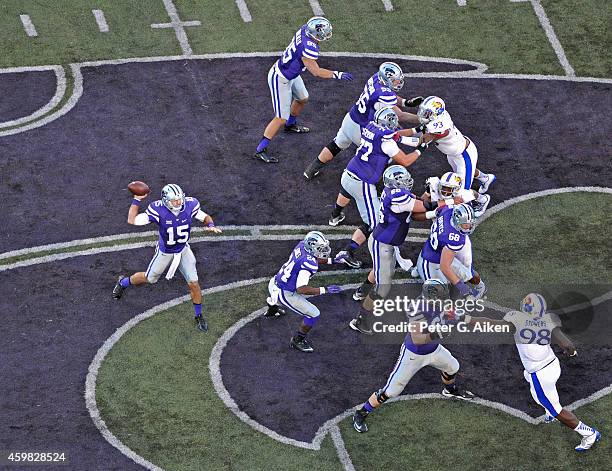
389,147
511,317
303,278
200,215
142,219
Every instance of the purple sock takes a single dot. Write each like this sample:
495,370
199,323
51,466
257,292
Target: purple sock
125,282
353,245
291,121
368,407
263,144
198,309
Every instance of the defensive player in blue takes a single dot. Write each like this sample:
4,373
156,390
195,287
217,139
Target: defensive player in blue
380,91
289,95
289,286
421,348
173,215
447,253
397,206
378,145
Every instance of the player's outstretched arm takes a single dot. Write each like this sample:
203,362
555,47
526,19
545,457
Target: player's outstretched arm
133,212
207,220
313,67
564,342
408,159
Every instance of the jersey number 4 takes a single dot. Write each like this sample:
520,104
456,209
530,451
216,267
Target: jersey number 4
179,237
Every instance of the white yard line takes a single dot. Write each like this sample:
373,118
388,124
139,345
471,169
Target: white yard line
60,90
245,14
316,8
341,450
28,26
552,37
100,20
178,26
388,5
461,3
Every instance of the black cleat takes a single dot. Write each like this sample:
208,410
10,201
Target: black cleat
301,344
274,311
335,220
361,293
359,421
361,325
454,391
201,324
118,289
263,156
313,169
349,259
297,128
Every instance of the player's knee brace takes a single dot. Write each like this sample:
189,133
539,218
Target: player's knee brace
363,227
333,148
381,396
345,193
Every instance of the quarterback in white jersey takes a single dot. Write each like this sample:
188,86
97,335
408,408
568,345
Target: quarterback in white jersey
534,331
460,151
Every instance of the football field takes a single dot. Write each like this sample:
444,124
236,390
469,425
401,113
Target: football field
98,93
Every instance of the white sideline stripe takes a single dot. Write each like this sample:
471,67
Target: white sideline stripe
479,73
60,91
255,231
316,8
552,38
77,91
388,5
94,367
245,14
100,20
341,450
179,27
461,3
28,26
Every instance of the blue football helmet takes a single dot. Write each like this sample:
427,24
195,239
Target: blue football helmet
397,176
386,118
463,215
317,245
319,28
172,193
391,75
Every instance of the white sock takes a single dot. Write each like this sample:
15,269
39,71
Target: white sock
584,429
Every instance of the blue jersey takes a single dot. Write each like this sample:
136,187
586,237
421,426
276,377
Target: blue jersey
370,160
431,317
299,261
301,46
374,92
173,230
392,227
442,234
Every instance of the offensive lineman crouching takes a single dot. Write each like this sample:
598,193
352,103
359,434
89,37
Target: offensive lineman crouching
421,348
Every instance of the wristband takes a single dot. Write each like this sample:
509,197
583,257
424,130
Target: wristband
322,290
409,141
135,202
210,224
330,261
463,288
337,75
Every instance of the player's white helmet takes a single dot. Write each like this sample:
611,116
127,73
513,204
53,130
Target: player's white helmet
463,218
534,304
435,289
319,28
397,176
317,245
430,109
391,75
386,118
450,184
171,193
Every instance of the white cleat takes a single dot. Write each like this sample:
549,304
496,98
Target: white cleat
484,187
479,291
587,442
415,273
480,208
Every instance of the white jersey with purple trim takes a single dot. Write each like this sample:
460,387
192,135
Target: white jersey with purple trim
454,142
533,337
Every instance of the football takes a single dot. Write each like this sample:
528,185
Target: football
139,188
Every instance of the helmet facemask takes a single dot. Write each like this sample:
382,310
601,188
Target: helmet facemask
173,198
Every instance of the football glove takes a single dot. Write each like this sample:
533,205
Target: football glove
333,289
343,76
413,102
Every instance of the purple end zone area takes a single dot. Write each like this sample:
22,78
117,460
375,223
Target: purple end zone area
295,393
198,122
25,92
